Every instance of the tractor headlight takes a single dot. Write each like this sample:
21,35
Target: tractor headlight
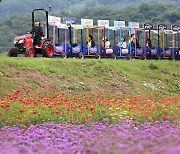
21,41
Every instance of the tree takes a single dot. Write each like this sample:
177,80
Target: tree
154,13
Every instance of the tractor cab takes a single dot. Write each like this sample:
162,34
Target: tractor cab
24,44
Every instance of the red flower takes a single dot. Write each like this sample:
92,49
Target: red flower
22,110
164,118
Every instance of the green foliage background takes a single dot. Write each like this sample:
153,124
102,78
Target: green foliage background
16,17
26,6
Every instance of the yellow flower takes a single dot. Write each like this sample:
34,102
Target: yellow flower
125,112
150,118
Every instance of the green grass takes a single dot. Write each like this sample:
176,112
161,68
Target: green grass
3,54
132,77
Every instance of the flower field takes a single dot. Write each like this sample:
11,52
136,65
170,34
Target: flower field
117,107
59,122
127,137
24,108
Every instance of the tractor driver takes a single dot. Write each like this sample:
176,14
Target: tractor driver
37,33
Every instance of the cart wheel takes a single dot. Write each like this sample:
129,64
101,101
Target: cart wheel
113,56
143,57
158,57
97,56
63,55
172,58
81,56
129,57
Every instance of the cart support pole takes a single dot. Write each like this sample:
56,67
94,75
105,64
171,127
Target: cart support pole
70,35
58,36
130,41
98,40
158,37
104,35
82,39
54,34
115,41
65,42
178,40
120,35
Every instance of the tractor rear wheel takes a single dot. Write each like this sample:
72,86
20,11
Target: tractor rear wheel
48,50
30,52
12,52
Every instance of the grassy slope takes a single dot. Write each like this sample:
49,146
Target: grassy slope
73,75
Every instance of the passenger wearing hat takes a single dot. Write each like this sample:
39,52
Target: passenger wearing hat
37,32
106,43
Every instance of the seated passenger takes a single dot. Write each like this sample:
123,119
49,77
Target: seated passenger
90,43
148,43
106,43
123,44
134,41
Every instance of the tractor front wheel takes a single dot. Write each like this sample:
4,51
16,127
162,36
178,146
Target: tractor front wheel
12,52
30,52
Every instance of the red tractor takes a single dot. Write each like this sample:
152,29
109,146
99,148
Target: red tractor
24,44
